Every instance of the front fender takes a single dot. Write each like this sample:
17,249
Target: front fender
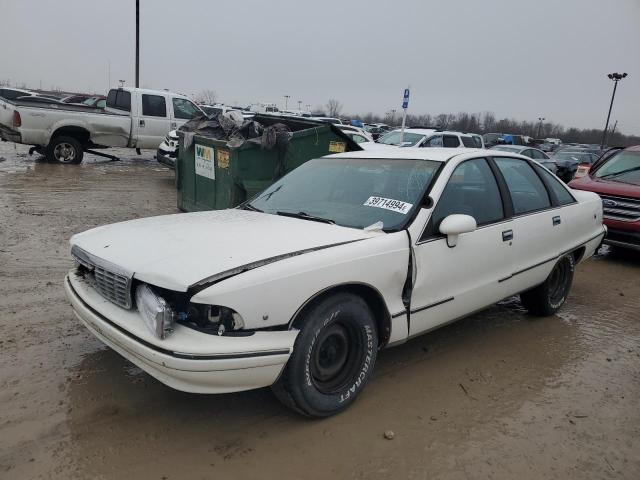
271,295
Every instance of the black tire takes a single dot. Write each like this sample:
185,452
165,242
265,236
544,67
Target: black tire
547,298
333,357
63,149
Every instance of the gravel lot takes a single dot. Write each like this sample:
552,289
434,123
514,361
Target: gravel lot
498,395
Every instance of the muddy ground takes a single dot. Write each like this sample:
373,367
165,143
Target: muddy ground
499,395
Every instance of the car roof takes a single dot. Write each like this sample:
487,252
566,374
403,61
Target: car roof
150,92
409,153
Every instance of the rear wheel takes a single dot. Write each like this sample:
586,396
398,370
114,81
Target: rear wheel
547,298
332,359
64,149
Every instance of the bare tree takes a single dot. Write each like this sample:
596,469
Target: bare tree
207,97
334,107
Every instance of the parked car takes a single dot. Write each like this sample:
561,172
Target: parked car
617,180
491,139
133,118
300,287
479,141
533,153
35,99
13,93
568,161
96,102
426,137
76,98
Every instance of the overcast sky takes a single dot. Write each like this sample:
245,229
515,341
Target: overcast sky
521,59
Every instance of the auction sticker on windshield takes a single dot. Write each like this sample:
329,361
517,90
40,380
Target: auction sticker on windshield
204,162
389,204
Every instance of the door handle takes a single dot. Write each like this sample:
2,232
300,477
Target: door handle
507,235
141,123
557,221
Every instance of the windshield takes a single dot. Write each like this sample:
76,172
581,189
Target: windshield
351,192
623,167
393,138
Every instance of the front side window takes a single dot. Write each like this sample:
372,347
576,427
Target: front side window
433,142
352,192
153,106
471,190
527,190
184,109
450,141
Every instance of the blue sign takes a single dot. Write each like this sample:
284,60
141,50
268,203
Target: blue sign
405,99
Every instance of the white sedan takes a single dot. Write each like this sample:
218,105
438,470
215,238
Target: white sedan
303,285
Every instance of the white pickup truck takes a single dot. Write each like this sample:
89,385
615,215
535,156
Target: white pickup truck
133,118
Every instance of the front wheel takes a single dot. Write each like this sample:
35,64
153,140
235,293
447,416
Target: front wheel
547,298
64,149
333,357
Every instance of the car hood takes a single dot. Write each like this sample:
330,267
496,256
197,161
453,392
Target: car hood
606,187
179,251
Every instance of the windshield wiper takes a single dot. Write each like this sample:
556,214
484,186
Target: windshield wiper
306,216
248,206
609,175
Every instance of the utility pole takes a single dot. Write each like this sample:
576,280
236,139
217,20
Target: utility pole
616,77
286,101
540,119
108,74
137,43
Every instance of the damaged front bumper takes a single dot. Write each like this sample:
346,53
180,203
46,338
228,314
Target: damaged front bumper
188,360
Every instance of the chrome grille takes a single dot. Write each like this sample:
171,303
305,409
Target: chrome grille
621,208
112,282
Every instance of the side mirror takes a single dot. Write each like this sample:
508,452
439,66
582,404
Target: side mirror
455,225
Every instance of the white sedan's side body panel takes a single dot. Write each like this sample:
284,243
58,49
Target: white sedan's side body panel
271,295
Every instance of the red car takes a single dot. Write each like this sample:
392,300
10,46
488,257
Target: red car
617,180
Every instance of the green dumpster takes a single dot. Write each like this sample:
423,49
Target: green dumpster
212,176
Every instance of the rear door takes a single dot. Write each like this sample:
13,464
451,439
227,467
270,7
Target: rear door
537,224
153,122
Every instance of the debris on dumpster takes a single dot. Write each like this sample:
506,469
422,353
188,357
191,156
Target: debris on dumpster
236,130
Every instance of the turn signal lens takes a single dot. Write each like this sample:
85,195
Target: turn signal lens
155,312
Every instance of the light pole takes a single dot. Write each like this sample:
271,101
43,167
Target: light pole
308,107
540,119
286,101
137,43
299,105
616,77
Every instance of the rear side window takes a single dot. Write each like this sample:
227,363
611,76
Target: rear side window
468,142
471,190
154,106
119,99
527,190
433,142
184,109
450,141
10,94
561,193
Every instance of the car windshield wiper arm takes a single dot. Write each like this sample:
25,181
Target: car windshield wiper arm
609,175
248,206
306,216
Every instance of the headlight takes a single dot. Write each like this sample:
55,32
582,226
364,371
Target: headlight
155,312
214,318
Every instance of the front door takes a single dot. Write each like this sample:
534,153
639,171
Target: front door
451,282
